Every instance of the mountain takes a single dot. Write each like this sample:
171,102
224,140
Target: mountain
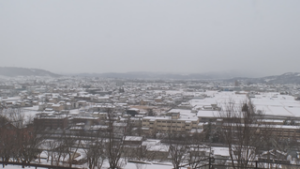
149,75
286,78
15,71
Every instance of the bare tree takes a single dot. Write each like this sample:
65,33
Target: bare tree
48,146
151,112
7,140
178,150
178,145
196,151
31,139
268,140
114,143
95,152
19,138
141,154
71,144
16,117
240,130
60,151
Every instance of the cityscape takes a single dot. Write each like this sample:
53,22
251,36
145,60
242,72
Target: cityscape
90,122
149,84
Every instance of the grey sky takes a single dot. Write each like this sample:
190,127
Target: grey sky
186,36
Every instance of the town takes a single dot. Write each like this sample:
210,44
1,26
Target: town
92,122
159,84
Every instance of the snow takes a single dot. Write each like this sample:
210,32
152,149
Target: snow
203,113
184,114
74,112
133,138
34,108
169,92
219,98
12,99
222,151
274,104
148,166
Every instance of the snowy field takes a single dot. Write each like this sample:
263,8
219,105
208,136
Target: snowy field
277,105
219,98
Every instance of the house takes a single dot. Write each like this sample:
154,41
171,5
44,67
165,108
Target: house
172,121
274,156
132,111
58,107
156,150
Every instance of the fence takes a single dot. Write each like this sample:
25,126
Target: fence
35,165
215,163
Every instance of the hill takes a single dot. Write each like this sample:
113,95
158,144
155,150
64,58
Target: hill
286,78
173,76
15,71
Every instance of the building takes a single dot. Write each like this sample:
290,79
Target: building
170,122
51,121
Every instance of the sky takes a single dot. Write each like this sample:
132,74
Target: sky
172,36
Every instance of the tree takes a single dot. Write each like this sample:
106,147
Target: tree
178,149
19,138
141,154
51,146
60,150
95,151
268,140
178,143
240,130
7,140
31,139
71,143
196,151
151,112
114,143
139,125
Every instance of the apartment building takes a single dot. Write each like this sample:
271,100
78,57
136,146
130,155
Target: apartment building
281,131
170,122
285,131
52,121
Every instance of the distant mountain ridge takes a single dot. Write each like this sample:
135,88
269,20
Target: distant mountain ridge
16,71
173,76
286,78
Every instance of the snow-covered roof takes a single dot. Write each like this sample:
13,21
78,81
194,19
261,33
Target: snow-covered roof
133,138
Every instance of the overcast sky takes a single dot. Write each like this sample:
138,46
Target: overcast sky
180,36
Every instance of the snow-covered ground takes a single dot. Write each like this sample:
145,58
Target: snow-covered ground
128,165
219,98
275,104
